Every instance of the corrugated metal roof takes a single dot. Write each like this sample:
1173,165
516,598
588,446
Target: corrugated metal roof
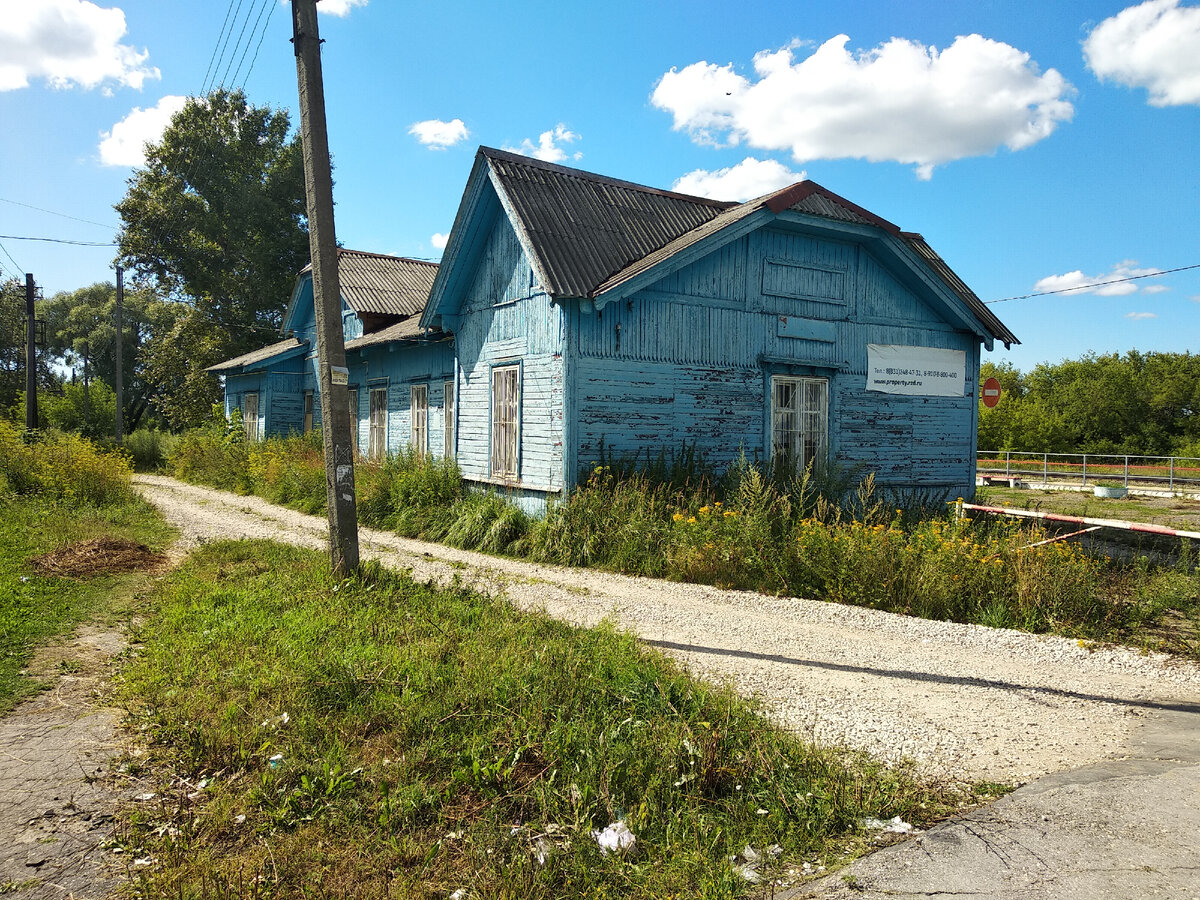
986,317
408,329
585,227
262,353
390,285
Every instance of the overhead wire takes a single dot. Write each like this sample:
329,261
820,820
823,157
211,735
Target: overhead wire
206,86
261,36
1084,288
204,83
60,215
229,64
250,41
17,237
20,269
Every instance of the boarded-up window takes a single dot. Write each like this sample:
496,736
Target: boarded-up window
418,432
506,421
353,396
377,443
799,421
308,411
250,416
448,412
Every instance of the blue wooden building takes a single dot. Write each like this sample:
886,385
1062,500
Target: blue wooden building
575,315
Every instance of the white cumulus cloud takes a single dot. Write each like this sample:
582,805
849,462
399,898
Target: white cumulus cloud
439,240
125,145
339,8
547,147
1155,45
749,178
1155,289
1138,316
67,43
438,134
901,101
1111,285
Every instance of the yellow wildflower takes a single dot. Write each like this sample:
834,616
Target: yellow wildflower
678,517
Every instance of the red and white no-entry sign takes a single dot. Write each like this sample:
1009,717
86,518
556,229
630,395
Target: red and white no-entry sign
991,392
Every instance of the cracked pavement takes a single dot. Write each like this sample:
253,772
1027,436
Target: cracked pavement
1118,829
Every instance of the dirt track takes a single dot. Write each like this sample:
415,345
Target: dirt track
961,701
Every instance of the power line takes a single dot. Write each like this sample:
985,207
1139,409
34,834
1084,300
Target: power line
241,32
250,40
17,237
204,83
208,84
1081,288
14,262
254,58
61,215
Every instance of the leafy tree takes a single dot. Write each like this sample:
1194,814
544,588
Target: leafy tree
12,342
81,325
1137,404
216,219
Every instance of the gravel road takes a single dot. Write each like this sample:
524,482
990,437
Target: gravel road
962,702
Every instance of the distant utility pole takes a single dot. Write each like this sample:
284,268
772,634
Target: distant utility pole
120,423
31,410
331,349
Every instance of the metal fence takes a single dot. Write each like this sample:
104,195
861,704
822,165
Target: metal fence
1167,473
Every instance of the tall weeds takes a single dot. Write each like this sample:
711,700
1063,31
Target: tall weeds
819,535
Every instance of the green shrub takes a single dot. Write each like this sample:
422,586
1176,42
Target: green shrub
63,467
150,448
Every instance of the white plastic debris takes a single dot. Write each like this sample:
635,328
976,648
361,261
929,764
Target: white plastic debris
240,818
276,722
275,761
142,798
895,825
24,579
615,838
460,894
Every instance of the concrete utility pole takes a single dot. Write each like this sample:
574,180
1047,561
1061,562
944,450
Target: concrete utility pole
31,410
331,348
120,422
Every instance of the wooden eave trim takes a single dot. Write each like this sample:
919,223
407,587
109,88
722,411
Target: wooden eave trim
686,256
467,210
518,226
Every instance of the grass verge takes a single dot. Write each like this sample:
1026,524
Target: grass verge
375,737
747,530
34,608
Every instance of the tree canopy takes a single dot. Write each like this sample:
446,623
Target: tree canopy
1138,403
216,222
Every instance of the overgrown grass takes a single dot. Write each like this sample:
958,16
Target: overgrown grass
58,491
376,737
749,530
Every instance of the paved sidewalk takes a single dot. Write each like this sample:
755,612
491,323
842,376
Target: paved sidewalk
1117,830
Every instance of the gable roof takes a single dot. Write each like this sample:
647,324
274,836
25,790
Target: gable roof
374,283
589,235
583,227
279,350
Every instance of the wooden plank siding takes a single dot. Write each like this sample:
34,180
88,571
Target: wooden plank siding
689,359
507,319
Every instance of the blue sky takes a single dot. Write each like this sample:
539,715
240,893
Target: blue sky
1035,145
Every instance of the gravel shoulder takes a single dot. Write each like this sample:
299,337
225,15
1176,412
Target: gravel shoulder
962,702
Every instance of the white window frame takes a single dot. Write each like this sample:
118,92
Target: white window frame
449,411
505,417
352,402
418,418
251,422
308,411
377,433
800,419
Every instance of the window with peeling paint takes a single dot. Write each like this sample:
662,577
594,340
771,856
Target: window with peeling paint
377,438
448,421
418,430
799,420
506,421
353,403
250,416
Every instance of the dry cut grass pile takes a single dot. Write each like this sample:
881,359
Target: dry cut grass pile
99,556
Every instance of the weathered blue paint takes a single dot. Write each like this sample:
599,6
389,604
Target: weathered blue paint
681,352
688,359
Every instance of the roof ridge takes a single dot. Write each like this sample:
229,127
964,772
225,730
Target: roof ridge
583,174
348,250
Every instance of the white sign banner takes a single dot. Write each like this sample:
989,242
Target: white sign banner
916,371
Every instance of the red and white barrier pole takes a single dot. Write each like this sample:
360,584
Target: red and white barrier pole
1080,520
